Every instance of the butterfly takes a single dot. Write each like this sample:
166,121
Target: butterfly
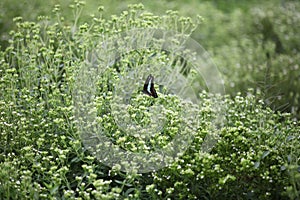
149,87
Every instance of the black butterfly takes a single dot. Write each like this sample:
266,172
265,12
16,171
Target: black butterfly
149,87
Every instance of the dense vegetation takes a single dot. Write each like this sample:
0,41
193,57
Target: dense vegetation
255,46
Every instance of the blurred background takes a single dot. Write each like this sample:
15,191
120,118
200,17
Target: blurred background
254,43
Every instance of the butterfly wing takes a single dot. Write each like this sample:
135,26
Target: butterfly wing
152,90
149,87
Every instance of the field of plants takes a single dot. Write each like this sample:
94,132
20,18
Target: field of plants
117,100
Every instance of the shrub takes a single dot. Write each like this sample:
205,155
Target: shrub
42,156
260,52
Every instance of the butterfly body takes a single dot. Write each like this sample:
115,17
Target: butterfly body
149,87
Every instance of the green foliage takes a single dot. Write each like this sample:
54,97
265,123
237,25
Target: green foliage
258,50
254,43
42,157
246,162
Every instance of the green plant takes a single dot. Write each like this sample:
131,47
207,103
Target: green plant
260,53
42,156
